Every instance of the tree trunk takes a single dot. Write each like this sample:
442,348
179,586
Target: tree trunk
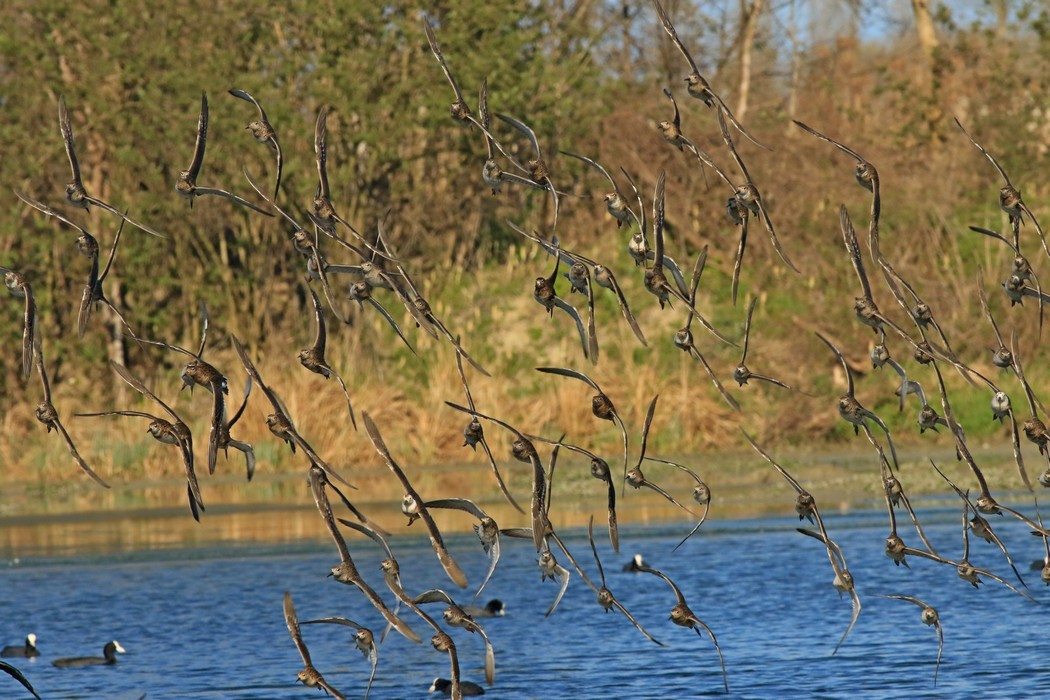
748,27
796,67
925,30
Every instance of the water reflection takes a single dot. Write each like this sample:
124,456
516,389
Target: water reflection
278,508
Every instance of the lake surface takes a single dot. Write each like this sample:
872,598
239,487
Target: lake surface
207,622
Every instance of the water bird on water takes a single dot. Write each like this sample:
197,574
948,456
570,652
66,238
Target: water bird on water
108,658
466,688
21,651
493,608
636,564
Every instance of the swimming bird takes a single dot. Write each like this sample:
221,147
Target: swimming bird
76,194
108,658
742,374
436,541
309,676
474,434
683,616
605,597
186,185
364,641
263,132
48,415
493,608
21,651
466,688
636,564
696,84
928,616
312,358
19,287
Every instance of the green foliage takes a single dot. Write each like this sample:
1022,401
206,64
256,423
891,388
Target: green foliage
132,74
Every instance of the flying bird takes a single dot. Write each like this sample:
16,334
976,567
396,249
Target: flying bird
186,184
263,132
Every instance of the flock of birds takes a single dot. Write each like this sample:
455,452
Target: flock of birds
377,268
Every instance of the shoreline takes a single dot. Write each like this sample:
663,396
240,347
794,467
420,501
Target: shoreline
277,508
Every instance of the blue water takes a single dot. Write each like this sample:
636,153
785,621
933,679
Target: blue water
208,623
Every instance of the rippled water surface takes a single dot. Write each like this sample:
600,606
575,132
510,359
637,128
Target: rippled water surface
208,622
